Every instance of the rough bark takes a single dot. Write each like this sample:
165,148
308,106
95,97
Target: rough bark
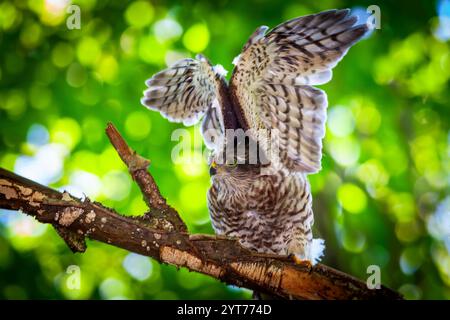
162,235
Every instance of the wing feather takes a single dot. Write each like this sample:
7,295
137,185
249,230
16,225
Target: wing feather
186,92
273,78
212,128
183,92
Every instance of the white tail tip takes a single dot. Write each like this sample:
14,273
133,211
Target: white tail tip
317,250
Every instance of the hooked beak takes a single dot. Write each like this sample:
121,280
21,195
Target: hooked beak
213,169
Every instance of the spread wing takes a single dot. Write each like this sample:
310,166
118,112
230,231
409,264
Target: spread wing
212,128
186,92
271,83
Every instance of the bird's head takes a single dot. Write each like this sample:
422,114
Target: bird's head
233,170
236,161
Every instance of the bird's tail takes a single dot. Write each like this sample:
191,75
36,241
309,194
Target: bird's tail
317,249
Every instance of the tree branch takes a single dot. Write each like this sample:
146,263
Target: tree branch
161,215
162,235
138,169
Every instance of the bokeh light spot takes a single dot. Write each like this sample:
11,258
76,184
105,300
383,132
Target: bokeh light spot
76,75
31,35
15,103
368,120
87,182
40,96
116,185
410,260
92,130
108,68
167,30
353,241
113,289
129,41
151,50
410,291
138,266
45,166
9,16
196,38
37,135
340,121
88,51
439,223
62,54
138,125
54,11
190,165
139,14
352,198
408,231
345,151
402,206
373,174
443,11
66,131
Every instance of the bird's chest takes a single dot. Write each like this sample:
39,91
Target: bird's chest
237,198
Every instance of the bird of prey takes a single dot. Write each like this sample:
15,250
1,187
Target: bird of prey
271,88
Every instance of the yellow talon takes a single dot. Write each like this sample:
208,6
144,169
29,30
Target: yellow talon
302,262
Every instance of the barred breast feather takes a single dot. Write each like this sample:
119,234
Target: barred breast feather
269,214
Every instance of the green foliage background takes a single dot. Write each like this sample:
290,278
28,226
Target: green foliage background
381,198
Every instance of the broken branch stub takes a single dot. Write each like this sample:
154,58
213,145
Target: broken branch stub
161,215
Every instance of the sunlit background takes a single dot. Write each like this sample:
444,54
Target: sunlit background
382,197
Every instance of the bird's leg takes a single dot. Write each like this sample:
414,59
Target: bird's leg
297,259
299,252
